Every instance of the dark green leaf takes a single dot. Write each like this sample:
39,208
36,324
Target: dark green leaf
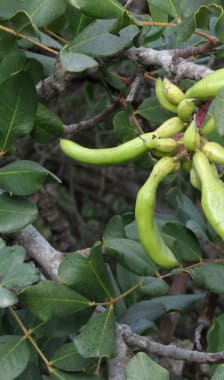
47,127
21,22
123,127
59,375
48,299
32,371
87,275
17,108
7,298
185,246
77,20
76,62
68,359
97,338
114,228
101,8
186,28
219,28
151,110
97,41
171,7
205,13
131,255
11,64
44,12
149,369
209,276
15,213
215,336
157,13
218,111
141,315
22,177
14,356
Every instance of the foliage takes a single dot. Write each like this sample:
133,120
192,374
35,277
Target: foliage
67,329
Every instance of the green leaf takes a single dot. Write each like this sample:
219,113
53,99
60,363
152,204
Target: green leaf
219,28
114,228
151,110
22,177
205,13
219,373
97,40
148,368
218,111
101,8
32,371
157,13
171,7
209,276
68,359
186,28
124,129
76,62
11,64
141,315
17,108
15,213
59,375
44,12
185,246
87,275
7,298
47,127
17,273
22,23
215,336
14,356
48,299
97,338
131,255
77,20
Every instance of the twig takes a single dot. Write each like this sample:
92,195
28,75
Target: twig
117,366
91,123
134,87
171,351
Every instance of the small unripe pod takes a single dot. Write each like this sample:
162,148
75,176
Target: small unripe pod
172,92
207,87
191,137
165,103
186,109
214,152
170,127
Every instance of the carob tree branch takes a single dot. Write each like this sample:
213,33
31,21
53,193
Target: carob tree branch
148,345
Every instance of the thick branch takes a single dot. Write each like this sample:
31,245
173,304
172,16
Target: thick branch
171,351
41,251
169,61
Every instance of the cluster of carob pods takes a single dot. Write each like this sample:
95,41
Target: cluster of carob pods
180,134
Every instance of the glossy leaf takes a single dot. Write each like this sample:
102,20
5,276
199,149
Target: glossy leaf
17,108
47,127
68,359
101,8
76,62
97,40
21,22
209,276
22,177
151,110
15,213
14,356
114,228
11,64
97,338
215,336
170,7
59,375
149,369
7,298
131,255
44,12
48,299
205,13
124,129
77,20
87,274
